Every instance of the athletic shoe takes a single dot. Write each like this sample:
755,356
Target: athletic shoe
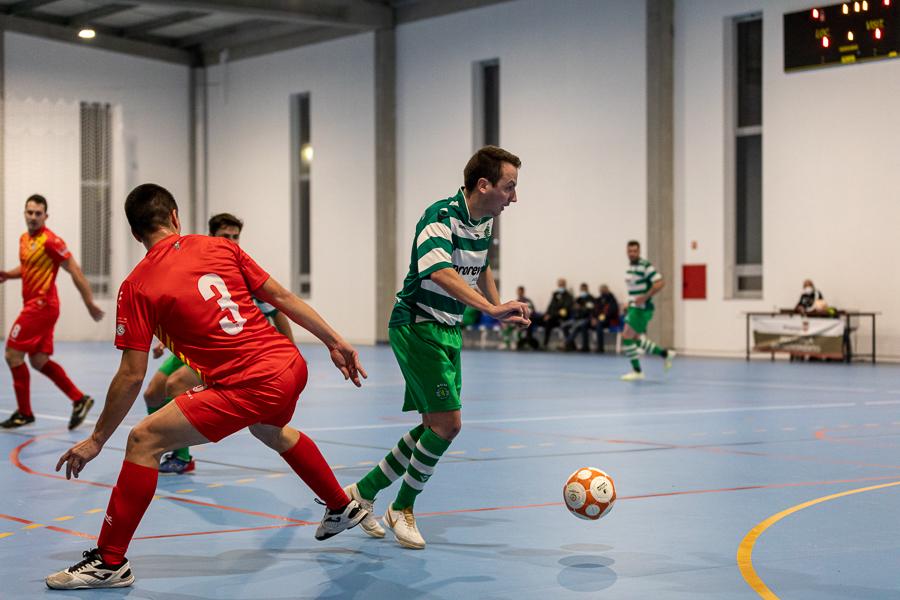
336,521
403,524
670,356
633,376
79,411
91,573
369,523
17,419
172,465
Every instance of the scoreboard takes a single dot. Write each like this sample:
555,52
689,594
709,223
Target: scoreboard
841,34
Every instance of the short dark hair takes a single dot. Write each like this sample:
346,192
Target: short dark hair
488,163
37,199
148,207
634,243
217,222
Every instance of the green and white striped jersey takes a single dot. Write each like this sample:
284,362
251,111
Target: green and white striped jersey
639,278
446,237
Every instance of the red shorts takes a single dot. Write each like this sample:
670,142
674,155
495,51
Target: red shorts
33,330
219,411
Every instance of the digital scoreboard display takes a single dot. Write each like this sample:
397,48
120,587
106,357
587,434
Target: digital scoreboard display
841,34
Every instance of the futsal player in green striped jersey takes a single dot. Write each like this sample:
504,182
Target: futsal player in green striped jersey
448,265
643,282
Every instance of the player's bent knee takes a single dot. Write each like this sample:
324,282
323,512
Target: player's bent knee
38,360
143,439
14,358
275,438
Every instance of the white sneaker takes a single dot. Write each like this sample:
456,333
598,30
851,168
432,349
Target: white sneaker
91,573
670,356
369,523
336,521
633,376
403,524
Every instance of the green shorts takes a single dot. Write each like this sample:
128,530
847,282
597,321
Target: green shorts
429,357
170,365
638,318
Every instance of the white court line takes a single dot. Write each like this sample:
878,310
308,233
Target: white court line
881,402
695,411
718,382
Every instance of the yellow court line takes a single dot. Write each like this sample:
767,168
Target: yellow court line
67,518
5,534
745,549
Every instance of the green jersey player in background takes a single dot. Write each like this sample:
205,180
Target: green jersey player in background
643,282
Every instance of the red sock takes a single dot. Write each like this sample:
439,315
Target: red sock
129,500
22,386
58,376
307,462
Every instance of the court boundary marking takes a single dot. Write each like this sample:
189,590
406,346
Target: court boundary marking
745,548
14,458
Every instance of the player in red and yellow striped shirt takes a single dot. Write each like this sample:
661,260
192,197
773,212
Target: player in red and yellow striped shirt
41,253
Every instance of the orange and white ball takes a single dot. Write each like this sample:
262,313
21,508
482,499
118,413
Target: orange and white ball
589,493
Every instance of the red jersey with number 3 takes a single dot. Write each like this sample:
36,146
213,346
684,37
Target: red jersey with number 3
40,256
194,293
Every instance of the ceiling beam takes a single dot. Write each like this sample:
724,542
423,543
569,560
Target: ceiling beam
248,35
427,9
355,15
65,34
198,39
277,44
83,18
26,6
166,21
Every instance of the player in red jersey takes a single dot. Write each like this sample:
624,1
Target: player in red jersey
41,254
194,293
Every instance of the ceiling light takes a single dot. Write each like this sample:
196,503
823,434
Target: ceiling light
87,33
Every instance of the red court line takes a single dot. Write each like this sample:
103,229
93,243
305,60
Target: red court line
665,494
14,457
50,527
862,442
242,529
696,447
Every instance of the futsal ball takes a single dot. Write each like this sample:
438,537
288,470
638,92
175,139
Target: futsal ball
589,493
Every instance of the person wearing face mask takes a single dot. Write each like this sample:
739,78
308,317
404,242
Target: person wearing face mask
578,323
809,299
558,310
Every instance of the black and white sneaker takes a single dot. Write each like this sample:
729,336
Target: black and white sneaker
91,573
17,419
79,411
336,521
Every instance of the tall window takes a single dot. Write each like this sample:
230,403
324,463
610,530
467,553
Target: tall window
487,132
96,213
747,224
301,161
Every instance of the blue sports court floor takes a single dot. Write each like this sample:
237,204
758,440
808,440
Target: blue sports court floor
733,482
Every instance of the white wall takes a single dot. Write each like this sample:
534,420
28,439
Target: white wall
250,173
573,107
45,81
831,171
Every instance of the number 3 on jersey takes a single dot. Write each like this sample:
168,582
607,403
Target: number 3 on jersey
211,283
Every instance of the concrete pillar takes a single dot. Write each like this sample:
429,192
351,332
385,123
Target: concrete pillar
660,248
197,148
385,178
2,178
